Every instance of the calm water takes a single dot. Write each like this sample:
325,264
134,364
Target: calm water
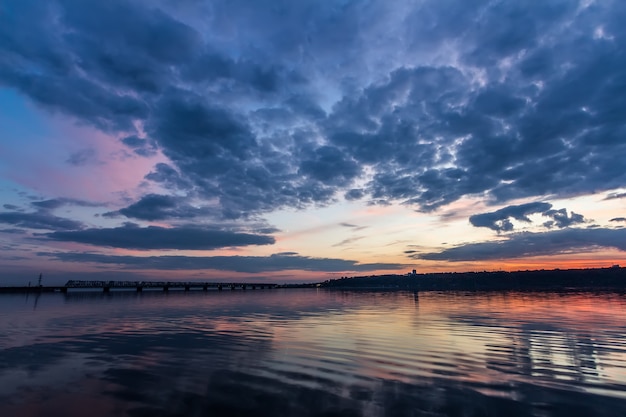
313,353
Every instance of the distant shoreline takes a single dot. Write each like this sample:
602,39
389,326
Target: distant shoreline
592,279
613,278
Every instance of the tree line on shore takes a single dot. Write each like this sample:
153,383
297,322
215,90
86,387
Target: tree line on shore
556,279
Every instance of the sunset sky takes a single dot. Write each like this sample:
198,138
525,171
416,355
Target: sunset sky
305,140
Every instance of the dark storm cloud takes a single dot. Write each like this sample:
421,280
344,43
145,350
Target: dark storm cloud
250,264
13,231
266,230
132,25
246,75
49,204
562,219
385,123
354,194
153,237
408,129
154,207
141,146
260,108
329,166
168,177
162,207
217,154
55,203
518,245
67,55
191,131
509,137
507,28
39,220
499,220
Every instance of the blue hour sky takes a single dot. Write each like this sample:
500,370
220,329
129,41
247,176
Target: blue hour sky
306,140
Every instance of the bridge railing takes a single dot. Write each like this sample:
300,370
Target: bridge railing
155,284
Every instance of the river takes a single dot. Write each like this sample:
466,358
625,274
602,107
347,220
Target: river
308,352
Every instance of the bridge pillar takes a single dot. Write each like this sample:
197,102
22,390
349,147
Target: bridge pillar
205,287
64,290
139,289
166,288
106,289
219,287
254,287
187,287
232,286
243,286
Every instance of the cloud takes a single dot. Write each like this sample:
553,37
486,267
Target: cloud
618,219
249,264
168,177
561,218
188,128
353,227
140,146
55,203
13,231
348,241
354,194
153,207
153,237
329,166
383,101
525,244
499,219
39,220
82,157
615,196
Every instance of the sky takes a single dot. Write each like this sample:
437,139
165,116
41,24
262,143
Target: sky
284,141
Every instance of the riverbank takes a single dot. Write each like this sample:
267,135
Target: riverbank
613,278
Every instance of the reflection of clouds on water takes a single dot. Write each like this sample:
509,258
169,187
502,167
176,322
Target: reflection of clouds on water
131,367
544,338
234,393
441,398
314,353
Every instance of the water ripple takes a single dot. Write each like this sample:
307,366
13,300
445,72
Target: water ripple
316,353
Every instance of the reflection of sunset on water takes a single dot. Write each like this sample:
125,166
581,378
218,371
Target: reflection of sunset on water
363,349
490,338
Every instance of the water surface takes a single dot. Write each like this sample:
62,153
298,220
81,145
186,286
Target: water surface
313,353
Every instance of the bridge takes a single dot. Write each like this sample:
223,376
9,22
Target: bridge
165,286
139,286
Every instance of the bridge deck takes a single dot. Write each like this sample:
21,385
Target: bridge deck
138,286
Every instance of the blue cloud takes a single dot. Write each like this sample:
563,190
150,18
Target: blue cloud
250,264
131,236
421,104
524,244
